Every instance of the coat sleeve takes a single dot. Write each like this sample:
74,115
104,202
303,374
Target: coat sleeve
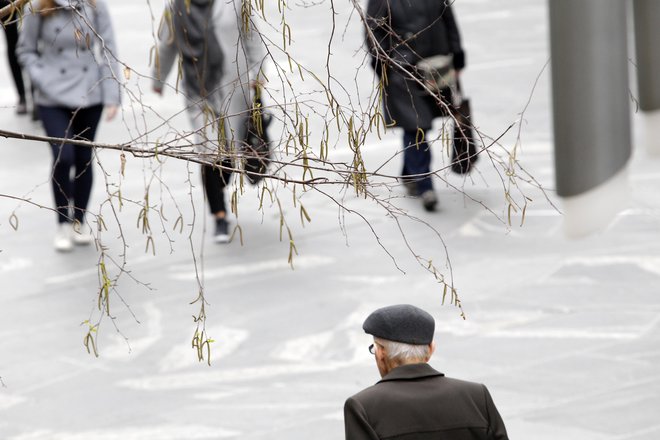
356,425
110,74
253,47
27,48
377,33
454,37
496,429
166,51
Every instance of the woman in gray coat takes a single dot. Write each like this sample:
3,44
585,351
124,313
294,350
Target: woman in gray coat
220,61
68,49
403,32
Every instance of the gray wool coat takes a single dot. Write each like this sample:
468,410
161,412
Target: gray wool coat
243,55
67,62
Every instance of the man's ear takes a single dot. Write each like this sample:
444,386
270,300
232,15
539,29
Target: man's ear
380,352
431,350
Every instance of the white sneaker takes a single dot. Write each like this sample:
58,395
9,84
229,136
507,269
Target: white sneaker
81,235
63,241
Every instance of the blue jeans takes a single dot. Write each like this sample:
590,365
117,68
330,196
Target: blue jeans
71,190
417,159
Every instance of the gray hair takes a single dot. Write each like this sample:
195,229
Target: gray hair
401,353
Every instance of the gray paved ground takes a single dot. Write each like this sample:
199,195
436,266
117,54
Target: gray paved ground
564,333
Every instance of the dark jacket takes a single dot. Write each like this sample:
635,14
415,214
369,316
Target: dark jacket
407,31
194,37
416,402
233,55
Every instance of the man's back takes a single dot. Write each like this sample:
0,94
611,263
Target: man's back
416,402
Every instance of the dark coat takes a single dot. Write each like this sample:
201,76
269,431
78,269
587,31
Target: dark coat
416,402
407,31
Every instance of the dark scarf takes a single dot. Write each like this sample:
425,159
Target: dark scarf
199,49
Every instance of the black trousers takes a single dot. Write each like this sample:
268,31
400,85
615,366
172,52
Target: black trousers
215,181
72,165
11,32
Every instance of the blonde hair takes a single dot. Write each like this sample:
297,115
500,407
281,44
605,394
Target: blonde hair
49,7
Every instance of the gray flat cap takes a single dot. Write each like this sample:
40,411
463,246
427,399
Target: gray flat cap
401,323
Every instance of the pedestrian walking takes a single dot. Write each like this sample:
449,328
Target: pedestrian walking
413,401
10,26
400,35
220,59
68,49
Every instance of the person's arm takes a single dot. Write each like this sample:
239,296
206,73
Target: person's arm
254,49
110,72
496,429
166,52
356,425
27,48
243,49
378,33
454,37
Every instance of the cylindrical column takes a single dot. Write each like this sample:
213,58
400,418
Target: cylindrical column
647,51
590,107
647,48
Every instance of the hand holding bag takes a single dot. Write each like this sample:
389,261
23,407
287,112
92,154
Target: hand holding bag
438,72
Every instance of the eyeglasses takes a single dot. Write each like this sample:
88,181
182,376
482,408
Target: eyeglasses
372,349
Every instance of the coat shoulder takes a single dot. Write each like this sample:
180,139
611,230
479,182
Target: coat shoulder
473,388
366,394
446,385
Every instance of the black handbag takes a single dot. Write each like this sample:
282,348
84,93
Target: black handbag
257,151
464,147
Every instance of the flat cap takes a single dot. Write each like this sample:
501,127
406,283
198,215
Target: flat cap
401,323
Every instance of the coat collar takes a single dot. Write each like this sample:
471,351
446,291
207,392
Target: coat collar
411,371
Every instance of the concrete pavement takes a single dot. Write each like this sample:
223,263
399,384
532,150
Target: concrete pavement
565,334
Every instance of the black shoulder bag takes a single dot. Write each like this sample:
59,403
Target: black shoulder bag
257,150
464,145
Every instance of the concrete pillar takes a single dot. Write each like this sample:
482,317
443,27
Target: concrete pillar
647,51
591,110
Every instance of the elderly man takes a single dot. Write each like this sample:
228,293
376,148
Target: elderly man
413,401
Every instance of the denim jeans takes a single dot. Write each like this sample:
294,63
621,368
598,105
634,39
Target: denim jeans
417,159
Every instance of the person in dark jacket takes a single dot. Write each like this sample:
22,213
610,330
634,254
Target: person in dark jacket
413,401
10,26
400,34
